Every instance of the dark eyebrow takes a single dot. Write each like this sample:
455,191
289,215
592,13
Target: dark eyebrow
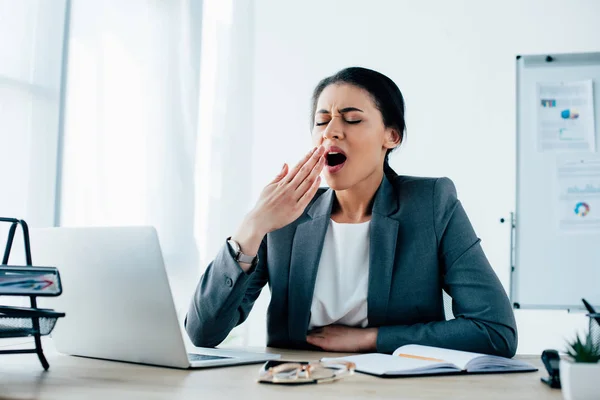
348,109
343,110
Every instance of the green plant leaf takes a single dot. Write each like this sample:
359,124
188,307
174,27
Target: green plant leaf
584,351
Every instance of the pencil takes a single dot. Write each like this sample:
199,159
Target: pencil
420,357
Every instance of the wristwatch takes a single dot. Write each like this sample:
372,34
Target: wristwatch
239,256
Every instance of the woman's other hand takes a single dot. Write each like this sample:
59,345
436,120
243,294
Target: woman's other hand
344,338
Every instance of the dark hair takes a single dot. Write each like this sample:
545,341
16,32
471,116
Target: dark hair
385,94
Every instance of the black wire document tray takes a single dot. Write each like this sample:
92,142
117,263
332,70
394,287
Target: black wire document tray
19,322
32,282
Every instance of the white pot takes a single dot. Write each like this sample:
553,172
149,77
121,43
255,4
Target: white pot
580,381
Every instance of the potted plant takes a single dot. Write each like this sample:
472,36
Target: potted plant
580,371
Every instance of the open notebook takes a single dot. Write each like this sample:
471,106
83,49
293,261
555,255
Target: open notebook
412,360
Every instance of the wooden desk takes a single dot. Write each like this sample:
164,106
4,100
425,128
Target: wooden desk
22,377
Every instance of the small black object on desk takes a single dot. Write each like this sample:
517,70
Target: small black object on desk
551,361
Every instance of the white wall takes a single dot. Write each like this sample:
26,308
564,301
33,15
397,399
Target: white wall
454,61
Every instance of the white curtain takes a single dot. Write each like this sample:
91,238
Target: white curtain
31,59
31,54
224,186
153,139
131,124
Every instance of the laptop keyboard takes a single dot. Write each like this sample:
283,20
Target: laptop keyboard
204,357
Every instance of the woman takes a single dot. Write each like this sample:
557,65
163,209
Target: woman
360,266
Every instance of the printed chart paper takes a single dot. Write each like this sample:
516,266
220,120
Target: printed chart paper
579,194
566,116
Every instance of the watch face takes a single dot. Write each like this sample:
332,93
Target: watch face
235,249
239,256
234,245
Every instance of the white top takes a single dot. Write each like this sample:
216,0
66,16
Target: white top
340,295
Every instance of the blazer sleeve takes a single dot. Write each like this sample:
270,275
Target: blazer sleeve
484,321
224,297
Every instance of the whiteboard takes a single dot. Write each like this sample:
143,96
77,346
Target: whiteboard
551,268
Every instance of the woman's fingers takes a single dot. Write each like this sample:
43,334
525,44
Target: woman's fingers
306,168
281,174
309,194
298,166
280,202
309,180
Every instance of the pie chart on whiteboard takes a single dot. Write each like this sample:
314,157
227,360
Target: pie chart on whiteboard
582,209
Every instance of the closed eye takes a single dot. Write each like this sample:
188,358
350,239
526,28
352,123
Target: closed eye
348,122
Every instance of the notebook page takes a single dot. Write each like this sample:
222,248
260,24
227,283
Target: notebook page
379,364
456,357
498,364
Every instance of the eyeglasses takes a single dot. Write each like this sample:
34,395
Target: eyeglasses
299,373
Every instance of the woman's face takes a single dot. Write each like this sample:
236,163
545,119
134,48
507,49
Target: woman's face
348,123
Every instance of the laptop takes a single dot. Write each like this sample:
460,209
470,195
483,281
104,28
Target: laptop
117,299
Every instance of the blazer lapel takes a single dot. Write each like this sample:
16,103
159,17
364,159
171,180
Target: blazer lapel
306,254
383,237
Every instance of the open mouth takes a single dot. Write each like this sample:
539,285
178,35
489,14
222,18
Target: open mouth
334,159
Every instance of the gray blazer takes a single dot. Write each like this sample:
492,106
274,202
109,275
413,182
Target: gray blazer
421,242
